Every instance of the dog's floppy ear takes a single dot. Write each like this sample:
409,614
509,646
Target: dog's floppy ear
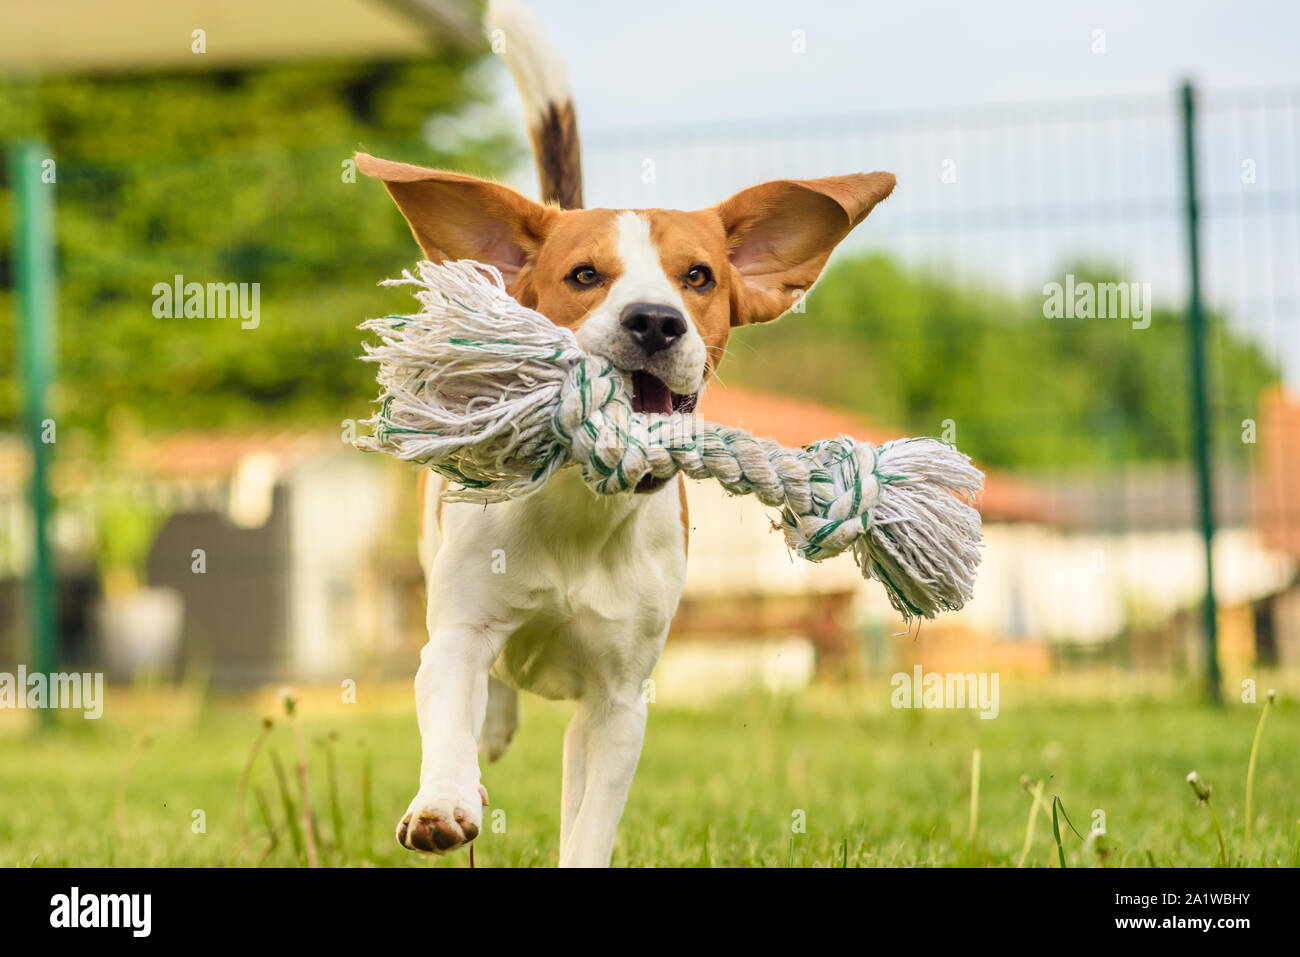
454,216
780,234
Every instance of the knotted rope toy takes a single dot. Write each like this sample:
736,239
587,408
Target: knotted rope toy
497,398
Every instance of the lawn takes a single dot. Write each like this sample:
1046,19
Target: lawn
820,779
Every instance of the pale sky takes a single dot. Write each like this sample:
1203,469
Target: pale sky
1060,153
700,60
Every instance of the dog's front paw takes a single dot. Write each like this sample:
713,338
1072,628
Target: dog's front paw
439,820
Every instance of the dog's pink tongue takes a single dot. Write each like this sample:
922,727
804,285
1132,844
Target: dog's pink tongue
649,394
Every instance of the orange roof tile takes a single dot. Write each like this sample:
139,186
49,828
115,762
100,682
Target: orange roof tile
218,454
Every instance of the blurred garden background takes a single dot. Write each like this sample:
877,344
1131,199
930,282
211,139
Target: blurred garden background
210,533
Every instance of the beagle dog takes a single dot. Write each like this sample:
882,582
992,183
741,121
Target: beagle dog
568,594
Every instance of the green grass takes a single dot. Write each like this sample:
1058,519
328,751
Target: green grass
719,786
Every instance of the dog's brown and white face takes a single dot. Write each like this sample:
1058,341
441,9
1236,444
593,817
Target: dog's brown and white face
655,291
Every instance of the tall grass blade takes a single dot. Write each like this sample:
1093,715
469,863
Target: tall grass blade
336,806
1250,773
273,835
286,801
242,787
1037,795
1056,833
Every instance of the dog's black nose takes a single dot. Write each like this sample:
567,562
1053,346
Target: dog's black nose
655,327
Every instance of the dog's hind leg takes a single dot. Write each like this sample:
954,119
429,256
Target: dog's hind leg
575,774
501,720
606,735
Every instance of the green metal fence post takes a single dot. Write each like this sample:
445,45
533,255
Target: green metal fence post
34,280
1199,386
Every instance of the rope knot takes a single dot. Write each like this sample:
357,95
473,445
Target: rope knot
594,417
845,489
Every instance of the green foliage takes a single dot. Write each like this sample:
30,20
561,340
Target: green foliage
911,349
127,530
229,177
239,177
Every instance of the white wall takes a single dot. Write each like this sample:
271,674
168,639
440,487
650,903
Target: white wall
340,504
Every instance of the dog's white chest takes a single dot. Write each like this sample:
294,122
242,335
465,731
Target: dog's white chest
585,586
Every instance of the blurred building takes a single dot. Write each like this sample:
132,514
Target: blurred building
290,555
1076,566
298,578
269,556
744,585
293,555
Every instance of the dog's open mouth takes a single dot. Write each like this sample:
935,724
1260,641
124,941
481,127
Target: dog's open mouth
649,394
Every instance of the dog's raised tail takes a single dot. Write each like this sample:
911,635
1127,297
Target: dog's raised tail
543,85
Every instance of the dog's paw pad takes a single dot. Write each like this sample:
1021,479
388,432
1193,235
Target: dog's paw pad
439,825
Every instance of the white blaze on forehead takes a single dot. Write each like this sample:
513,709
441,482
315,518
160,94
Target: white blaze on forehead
643,278
681,366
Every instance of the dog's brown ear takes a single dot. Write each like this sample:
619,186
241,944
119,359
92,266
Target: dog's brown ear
780,234
454,216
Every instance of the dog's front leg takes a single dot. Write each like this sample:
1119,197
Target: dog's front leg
451,691
605,736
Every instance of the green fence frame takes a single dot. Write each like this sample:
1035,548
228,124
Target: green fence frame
32,175
1198,383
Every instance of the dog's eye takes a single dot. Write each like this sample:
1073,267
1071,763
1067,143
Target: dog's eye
699,277
584,275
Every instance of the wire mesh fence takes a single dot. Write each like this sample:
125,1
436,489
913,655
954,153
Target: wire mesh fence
1014,206
1005,221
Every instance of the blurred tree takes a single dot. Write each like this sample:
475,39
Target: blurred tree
912,349
242,176
231,177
